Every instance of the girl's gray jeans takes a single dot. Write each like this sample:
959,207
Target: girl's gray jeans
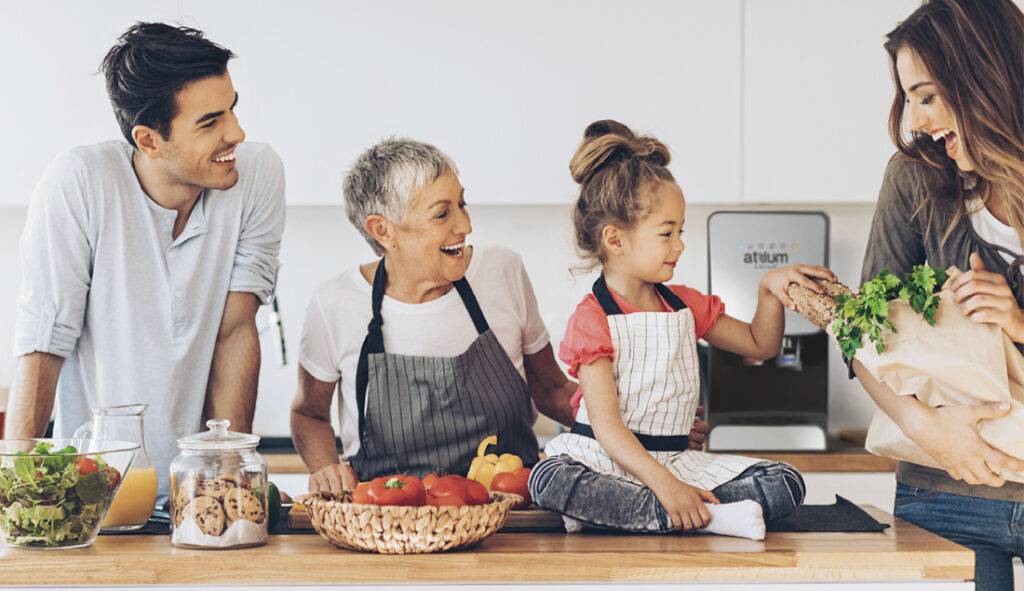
562,484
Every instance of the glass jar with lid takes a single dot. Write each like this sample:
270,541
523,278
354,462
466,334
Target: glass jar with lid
218,490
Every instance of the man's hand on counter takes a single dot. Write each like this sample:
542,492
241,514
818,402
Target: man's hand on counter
333,477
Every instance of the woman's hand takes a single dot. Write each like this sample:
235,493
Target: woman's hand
777,281
333,478
685,504
984,297
949,434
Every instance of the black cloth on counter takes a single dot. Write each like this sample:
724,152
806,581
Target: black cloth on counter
841,516
153,527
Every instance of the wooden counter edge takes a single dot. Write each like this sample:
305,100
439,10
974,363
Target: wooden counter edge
307,559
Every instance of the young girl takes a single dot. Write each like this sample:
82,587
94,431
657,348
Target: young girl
632,344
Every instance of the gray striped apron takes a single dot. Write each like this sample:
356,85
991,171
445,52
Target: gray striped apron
426,414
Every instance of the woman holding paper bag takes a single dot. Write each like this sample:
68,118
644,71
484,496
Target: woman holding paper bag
954,196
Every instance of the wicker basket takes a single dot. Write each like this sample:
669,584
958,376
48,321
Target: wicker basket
404,530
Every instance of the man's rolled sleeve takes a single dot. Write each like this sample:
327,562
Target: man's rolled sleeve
259,242
56,262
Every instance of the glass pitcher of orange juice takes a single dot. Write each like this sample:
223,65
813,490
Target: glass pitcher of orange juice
135,499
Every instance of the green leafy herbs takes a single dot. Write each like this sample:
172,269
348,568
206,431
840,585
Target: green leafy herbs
46,501
866,314
919,290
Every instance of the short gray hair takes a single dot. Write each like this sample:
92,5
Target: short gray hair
384,178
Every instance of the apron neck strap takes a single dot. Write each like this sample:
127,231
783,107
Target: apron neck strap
610,307
472,306
670,296
374,331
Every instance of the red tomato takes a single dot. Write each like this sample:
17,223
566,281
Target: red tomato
397,490
359,494
515,483
450,486
430,479
445,501
87,466
112,474
477,493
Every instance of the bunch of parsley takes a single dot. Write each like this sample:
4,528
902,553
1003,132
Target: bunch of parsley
867,312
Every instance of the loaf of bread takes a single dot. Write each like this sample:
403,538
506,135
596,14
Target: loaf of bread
818,309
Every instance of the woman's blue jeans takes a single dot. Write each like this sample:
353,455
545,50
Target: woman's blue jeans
994,529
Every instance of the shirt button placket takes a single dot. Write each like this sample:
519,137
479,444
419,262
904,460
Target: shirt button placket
178,310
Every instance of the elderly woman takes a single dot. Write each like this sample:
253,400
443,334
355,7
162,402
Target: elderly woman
426,365
432,347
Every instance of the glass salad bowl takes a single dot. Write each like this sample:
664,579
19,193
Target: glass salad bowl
54,493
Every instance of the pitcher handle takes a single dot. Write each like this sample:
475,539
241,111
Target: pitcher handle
83,432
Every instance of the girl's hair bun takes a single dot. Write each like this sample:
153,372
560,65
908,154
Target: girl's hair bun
608,142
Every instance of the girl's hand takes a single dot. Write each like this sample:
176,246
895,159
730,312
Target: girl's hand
699,431
333,478
685,504
984,297
949,434
777,281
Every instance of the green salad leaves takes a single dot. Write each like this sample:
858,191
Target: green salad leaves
54,497
867,312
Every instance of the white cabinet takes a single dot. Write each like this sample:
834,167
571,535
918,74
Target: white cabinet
52,97
759,100
505,88
817,92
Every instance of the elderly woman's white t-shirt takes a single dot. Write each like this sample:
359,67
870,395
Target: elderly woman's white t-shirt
339,311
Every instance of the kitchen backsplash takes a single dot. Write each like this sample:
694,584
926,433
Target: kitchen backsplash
319,242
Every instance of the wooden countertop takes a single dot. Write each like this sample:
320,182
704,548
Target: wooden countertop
903,552
838,461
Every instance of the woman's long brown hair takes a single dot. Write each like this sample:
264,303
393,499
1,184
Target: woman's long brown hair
974,52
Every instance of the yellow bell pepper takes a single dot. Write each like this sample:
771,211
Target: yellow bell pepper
486,466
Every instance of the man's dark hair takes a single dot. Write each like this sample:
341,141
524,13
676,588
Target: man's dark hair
147,67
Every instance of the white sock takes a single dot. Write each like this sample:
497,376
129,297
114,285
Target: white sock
571,525
743,519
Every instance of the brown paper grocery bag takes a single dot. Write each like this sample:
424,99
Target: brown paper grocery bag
957,361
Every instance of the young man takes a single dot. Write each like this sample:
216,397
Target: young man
144,263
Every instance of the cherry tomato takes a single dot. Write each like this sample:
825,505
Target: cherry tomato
87,466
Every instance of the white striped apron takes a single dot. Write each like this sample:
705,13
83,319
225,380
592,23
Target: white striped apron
657,373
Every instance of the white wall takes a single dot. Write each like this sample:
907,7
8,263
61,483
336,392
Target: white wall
319,242
505,88
816,98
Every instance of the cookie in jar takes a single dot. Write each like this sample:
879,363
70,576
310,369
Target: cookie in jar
219,490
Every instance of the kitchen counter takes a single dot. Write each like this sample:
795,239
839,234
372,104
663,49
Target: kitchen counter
851,460
903,553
